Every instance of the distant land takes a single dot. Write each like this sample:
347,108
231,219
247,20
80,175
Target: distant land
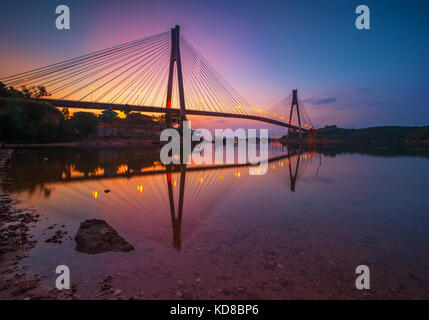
377,136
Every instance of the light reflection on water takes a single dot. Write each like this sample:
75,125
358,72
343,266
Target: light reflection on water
299,231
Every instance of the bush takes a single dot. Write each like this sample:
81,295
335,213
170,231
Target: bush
27,121
46,131
11,126
66,131
85,123
24,120
4,92
34,110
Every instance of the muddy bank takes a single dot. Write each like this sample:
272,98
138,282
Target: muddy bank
15,242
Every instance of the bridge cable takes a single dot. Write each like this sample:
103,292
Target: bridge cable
78,59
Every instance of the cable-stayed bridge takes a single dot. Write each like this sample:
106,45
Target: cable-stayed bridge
156,74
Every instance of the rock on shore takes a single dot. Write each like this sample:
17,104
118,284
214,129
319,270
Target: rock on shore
96,236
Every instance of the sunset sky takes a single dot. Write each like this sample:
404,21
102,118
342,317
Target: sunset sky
265,49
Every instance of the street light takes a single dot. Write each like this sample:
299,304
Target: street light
91,89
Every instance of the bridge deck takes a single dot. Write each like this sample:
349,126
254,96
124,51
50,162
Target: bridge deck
129,108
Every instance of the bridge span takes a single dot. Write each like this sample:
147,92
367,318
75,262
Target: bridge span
150,109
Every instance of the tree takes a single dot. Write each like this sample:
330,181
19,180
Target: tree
27,93
34,92
47,131
4,92
85,123
12,126
65,130
40,91
135,116
171,119
15,93
66,113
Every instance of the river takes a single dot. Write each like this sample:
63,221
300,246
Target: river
298,231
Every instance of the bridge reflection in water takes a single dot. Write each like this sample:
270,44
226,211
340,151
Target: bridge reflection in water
200,187
294,163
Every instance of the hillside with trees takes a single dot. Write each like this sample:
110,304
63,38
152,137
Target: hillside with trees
25,119
385,135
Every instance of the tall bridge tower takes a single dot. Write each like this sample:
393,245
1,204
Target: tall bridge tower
175,58
295,104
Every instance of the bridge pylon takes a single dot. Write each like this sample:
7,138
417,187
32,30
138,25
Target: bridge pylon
175,59
295,104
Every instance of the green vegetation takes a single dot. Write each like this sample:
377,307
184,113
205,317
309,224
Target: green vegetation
25,92
171,119
32,121
135,116
420,134
84,123
24,119
374,135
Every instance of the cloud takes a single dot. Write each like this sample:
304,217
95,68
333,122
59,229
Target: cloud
320,101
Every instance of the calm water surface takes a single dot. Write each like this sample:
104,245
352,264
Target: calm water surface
299,231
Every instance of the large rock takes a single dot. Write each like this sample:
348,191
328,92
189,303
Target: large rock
96,236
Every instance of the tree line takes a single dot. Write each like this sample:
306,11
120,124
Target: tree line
25,119
375,135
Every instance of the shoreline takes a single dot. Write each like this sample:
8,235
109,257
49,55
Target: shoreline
93,143
374,142
15,242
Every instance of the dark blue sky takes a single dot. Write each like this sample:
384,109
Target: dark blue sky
264,48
